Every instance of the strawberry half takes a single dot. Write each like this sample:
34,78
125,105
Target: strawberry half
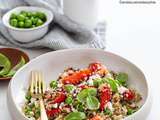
98,68
97,117
128,95
77,77
53,112
105,96
60,97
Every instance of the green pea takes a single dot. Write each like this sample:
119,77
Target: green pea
69,88
41,15
80,107
130,111
23,13
14,22
28,96
29,14
28,23
34,14
33,26
39,22
26,18
53,84
107,112
69,100
13,16
21,24
21,17
34,20
37,113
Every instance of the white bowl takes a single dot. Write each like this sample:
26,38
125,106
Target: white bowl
53,63
30,34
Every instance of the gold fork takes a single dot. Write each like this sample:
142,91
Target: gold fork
37,89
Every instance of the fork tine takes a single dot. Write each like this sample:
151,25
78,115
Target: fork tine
36,81
39,83
43,83
32,82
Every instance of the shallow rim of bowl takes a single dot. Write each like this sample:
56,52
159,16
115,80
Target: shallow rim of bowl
148,97
47,12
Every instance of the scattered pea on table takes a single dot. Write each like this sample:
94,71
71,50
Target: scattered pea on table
26,19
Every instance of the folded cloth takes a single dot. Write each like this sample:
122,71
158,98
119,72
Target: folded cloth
64,33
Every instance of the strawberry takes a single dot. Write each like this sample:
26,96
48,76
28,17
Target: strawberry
105,96
53,112
86,86
97,117
98,68
60,97
128,95
79,76
76,77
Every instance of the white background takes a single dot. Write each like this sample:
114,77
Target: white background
133,31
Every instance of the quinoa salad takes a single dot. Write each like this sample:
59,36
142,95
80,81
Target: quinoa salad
91,93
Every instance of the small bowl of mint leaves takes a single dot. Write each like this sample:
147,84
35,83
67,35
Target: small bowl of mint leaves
27,23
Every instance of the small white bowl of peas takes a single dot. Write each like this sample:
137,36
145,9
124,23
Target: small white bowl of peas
27,23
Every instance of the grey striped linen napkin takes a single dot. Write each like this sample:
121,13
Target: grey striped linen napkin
64,33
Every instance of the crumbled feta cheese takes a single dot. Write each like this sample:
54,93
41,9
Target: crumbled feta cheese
94,76
90,82
33,100
55,105
61,105
65,74
59,85
91,78
122,89
109,106
109,75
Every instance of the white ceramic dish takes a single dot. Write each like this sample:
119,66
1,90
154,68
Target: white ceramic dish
53,63
27,35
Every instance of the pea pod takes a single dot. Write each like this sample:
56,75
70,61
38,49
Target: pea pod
5,64
15,68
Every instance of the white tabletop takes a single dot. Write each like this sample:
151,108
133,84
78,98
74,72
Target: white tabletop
133,32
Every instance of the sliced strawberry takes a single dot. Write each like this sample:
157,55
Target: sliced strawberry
76,77
53,112
105,96
97,117
128,95
98,68
86,86
60,97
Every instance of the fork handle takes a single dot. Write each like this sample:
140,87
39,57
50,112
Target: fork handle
43,111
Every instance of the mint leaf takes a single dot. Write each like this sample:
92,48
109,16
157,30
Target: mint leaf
75,116
92,103
85,92
69,88
122,78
